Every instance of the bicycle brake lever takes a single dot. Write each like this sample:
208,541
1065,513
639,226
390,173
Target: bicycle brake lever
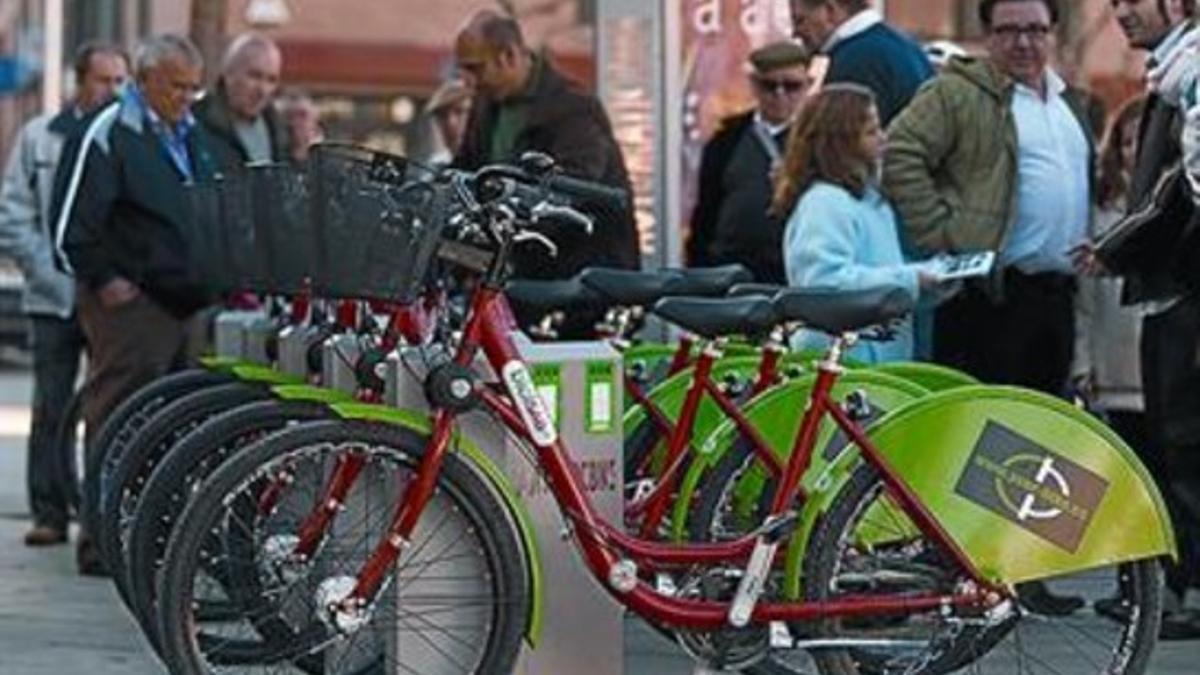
530,235
548,211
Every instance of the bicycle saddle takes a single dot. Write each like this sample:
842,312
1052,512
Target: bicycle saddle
768,290
711,281
628,287
538,298
633,288
718,317
837,312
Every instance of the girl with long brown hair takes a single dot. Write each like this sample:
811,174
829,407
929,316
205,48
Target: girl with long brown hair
841,233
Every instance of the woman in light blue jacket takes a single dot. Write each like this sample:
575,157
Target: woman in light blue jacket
842,233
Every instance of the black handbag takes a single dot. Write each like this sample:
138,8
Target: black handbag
1148,235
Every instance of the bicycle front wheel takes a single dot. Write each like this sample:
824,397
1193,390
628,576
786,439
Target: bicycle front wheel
865,545
455,602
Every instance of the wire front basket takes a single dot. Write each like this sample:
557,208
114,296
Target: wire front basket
351,224
379,219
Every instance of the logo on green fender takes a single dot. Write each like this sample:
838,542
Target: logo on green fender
1039,490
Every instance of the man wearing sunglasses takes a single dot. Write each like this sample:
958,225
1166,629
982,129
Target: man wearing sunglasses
730,223
862,49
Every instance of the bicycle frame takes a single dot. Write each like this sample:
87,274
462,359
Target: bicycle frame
603,545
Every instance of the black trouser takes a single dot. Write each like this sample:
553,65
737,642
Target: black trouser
1170,353
50,470
1025,339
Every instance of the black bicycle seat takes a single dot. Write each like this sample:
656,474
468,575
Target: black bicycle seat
718,317
710,281
836,312
768,290
534,298
630,288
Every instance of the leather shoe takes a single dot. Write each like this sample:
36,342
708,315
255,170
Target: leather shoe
1034,596
45,535
1114,609
87,559
1180,625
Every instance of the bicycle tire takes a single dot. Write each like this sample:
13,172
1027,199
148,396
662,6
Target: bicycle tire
144,450
170,486
468,495
125,419
855,499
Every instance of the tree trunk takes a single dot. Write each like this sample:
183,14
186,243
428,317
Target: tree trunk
208,32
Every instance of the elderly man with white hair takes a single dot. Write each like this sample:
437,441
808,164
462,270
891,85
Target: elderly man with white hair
120,226
238,113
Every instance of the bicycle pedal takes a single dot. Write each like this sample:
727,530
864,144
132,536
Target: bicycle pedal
665,585
780,636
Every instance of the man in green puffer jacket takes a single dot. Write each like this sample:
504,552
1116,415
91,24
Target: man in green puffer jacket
995,154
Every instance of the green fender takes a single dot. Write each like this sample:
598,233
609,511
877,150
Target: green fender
420,423
669,394
777,414
1027,485
311,394
249,372
929,375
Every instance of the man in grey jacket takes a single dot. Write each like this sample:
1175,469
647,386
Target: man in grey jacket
25,235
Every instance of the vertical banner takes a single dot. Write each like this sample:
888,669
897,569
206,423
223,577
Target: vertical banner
717,37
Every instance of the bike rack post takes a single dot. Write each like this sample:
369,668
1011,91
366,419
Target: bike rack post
583,630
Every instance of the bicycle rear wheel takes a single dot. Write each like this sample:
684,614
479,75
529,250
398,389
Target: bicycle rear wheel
842,559
456,602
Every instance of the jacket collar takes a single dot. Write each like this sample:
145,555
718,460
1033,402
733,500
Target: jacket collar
135,113
855,25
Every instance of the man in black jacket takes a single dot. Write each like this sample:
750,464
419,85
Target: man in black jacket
1171,327
730,223
238,114
523,104
120,225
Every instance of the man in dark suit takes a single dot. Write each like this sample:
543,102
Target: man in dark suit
522,103
730,223
863,49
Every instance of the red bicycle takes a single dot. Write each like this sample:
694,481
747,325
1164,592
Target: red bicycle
385,544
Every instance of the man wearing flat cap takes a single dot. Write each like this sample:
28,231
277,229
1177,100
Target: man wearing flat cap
730,223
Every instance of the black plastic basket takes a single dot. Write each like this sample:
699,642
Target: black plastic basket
285,233
379,218
222,246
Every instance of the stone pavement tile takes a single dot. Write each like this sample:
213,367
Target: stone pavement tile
54,622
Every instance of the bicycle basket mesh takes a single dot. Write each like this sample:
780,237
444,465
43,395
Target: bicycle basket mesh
378,219
222,246
285,234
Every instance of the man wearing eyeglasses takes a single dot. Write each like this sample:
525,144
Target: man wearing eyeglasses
996,155
119,229
730,223
863,49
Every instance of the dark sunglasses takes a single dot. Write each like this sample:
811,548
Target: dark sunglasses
779,86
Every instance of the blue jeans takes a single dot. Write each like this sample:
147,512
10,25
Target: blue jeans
50,469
